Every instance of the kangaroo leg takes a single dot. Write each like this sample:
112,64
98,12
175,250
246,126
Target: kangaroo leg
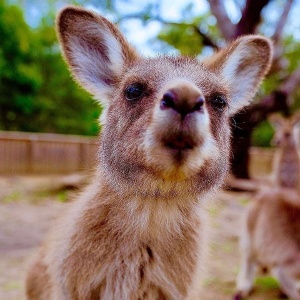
246,276
248,268
288,277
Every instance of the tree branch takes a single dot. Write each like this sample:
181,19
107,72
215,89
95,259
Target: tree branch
290,84
207,41
251,17
140,16
282,21
279,61
218,10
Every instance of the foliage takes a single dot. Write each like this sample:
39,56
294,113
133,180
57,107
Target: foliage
262,135
19,77
186,37
36,91
60,101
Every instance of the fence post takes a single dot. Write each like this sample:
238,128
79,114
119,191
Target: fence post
29,168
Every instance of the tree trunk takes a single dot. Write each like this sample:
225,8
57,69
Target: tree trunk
244,122
240,144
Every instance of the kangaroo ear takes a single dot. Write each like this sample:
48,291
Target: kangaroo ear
94,49
243,64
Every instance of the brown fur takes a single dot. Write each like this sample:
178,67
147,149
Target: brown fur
272,239
137,231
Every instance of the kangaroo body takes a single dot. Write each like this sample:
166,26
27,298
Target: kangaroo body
271,237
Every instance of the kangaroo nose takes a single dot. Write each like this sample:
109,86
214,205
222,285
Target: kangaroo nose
182,105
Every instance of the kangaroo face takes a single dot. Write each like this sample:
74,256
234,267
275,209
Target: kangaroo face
165,117
168,118
286,130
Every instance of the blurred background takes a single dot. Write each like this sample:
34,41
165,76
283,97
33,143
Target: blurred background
48,124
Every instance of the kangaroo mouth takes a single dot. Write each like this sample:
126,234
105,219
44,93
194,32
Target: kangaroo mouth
179,142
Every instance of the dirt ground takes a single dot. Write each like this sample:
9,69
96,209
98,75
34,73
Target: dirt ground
28,204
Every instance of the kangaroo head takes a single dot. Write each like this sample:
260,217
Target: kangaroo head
286,130
165,119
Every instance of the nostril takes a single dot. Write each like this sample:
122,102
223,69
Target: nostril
168,100
183,105
199,104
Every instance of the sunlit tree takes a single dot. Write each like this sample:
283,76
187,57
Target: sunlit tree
36,90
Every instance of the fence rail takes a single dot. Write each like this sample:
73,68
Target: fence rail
45,153
42,153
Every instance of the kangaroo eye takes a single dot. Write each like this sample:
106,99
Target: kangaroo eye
134,91
219,102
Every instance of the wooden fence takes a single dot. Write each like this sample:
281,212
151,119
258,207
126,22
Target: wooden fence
39,153
261,161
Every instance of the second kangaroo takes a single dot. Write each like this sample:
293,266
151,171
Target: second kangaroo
271,237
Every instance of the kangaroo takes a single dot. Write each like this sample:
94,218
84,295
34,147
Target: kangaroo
136,232
286,166
271,236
